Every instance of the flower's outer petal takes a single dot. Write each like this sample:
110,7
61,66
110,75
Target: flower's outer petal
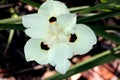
58,57
67,21
33,51
34,20
53,8
85,39
36,24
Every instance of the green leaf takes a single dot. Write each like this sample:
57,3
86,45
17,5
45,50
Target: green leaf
99,6
11,20
98,16
99,59
32,3
100,32
11,34
11,26
77,9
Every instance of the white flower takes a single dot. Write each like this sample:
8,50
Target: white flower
55,36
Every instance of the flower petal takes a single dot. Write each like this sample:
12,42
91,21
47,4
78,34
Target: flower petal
34,20
62,68
53,8
85,39
67,21
59,55
36,24
33,51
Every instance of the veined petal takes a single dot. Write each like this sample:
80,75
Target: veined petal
58,57
85,39
33,51
67,21
36,24
53,8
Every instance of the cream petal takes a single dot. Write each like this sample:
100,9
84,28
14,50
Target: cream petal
85,39
58,57
67,21
33,51
53,8
36,24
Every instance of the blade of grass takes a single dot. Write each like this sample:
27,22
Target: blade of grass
98,16
9,40
32,3
100,32
11,26
99,59
77,9
99,6
11,20
106,27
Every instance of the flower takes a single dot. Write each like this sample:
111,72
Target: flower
55,36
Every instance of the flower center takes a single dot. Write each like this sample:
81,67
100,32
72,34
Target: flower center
52,19
55,35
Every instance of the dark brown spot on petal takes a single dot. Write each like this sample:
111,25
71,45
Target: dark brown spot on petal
44,46
52,19
73,38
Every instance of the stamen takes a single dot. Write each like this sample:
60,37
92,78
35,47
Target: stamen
73,38
44,46
52,19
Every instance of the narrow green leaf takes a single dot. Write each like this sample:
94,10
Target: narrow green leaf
99,6
77,9
11,26
90,63
11,20
106,27
9,40
98,16
100,32
30,2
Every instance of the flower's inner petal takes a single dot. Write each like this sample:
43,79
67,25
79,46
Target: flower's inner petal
34,52
67,22
85,39
58,57
53,8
